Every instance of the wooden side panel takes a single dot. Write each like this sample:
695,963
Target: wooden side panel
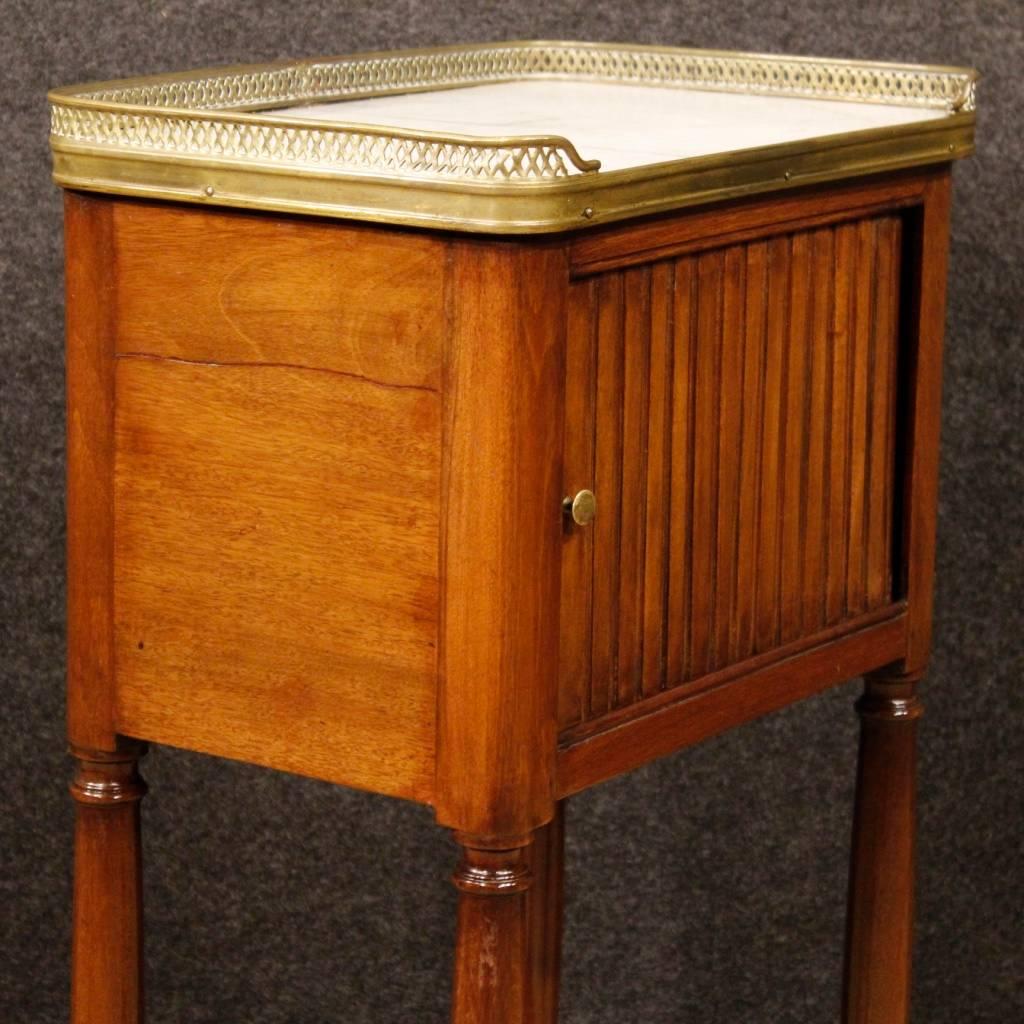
276,569
739,433
222,286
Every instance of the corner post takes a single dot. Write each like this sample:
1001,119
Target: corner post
106,986
498,660
879,940
923,328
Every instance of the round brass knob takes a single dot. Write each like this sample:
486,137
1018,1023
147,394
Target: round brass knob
582,507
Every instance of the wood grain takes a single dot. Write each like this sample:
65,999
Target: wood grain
276,569
222,286
743,469
502,516
90,315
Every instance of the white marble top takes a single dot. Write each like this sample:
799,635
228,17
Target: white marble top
620,125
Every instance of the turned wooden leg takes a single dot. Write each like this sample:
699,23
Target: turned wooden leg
509,929
880,915
106,952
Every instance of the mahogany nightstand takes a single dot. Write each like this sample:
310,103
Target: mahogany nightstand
436,461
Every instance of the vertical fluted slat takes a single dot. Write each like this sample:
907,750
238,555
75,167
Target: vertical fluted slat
795,439
768,563
636,381
707,399
608,486
578,549
879,571
729,341
680,567
812,598
860,398
754,338
891,356
839,456
659,478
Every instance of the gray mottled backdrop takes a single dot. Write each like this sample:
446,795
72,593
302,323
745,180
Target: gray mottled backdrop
708,887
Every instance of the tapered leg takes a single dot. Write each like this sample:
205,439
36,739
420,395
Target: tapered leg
509,929
106,985
880,914
544,911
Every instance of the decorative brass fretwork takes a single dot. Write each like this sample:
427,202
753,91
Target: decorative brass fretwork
186,115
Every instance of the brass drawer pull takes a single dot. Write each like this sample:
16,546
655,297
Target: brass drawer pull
582,507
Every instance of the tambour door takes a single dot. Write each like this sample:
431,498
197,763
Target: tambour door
734,409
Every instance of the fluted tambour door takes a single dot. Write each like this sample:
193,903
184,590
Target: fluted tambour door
733,409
